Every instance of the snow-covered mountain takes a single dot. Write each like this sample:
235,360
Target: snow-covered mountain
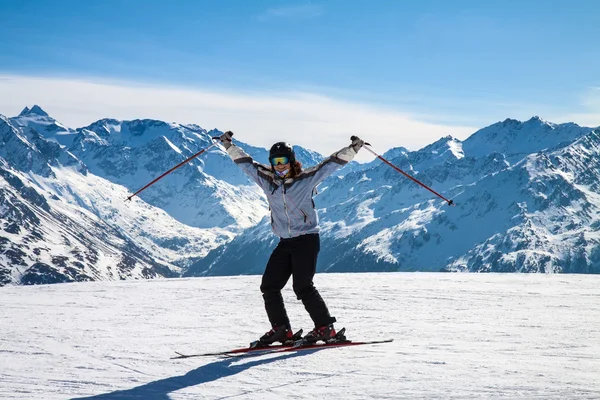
38,120
44,239
527,196
208,192
199,207
515,138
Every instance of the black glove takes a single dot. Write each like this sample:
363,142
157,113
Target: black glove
225,139
357,143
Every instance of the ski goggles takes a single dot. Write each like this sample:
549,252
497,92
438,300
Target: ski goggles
281,160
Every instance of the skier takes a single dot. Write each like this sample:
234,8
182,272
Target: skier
289,190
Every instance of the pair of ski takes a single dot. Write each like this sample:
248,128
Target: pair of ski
296,344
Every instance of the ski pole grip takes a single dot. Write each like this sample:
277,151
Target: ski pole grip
219,137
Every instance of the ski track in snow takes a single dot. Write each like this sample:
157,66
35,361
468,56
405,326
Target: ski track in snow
457,336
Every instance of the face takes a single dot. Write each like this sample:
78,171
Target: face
282,167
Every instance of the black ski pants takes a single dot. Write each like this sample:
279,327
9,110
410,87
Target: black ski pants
295,257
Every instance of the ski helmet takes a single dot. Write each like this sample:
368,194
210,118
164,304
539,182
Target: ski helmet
282,149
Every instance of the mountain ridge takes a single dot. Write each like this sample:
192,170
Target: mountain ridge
208,218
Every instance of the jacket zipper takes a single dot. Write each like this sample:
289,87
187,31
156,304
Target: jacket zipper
285,207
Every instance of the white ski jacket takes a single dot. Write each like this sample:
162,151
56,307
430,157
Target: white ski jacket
291,199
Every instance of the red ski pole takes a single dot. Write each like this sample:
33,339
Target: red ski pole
450,202
171,170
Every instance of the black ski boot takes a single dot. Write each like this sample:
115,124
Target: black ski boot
325,333
279,334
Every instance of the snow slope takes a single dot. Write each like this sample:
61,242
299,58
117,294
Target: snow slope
45,240
457,336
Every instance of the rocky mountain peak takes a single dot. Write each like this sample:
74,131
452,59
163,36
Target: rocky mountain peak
35,110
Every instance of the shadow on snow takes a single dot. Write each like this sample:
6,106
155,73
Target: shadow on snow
159,390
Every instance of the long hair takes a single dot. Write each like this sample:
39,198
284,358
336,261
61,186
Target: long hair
296,169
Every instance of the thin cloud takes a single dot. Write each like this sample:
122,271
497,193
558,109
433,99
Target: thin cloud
590,105
592,99
311,120
303,11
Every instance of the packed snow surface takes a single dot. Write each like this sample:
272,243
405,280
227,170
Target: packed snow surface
456,336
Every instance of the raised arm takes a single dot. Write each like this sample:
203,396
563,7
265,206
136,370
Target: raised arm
261,174
319,173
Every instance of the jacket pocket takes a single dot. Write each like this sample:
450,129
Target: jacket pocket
304,215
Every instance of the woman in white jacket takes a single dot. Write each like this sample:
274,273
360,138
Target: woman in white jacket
289,190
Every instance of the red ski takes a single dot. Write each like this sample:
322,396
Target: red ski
297,345
295,338
315,346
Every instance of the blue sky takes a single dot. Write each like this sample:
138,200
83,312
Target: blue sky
450,63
